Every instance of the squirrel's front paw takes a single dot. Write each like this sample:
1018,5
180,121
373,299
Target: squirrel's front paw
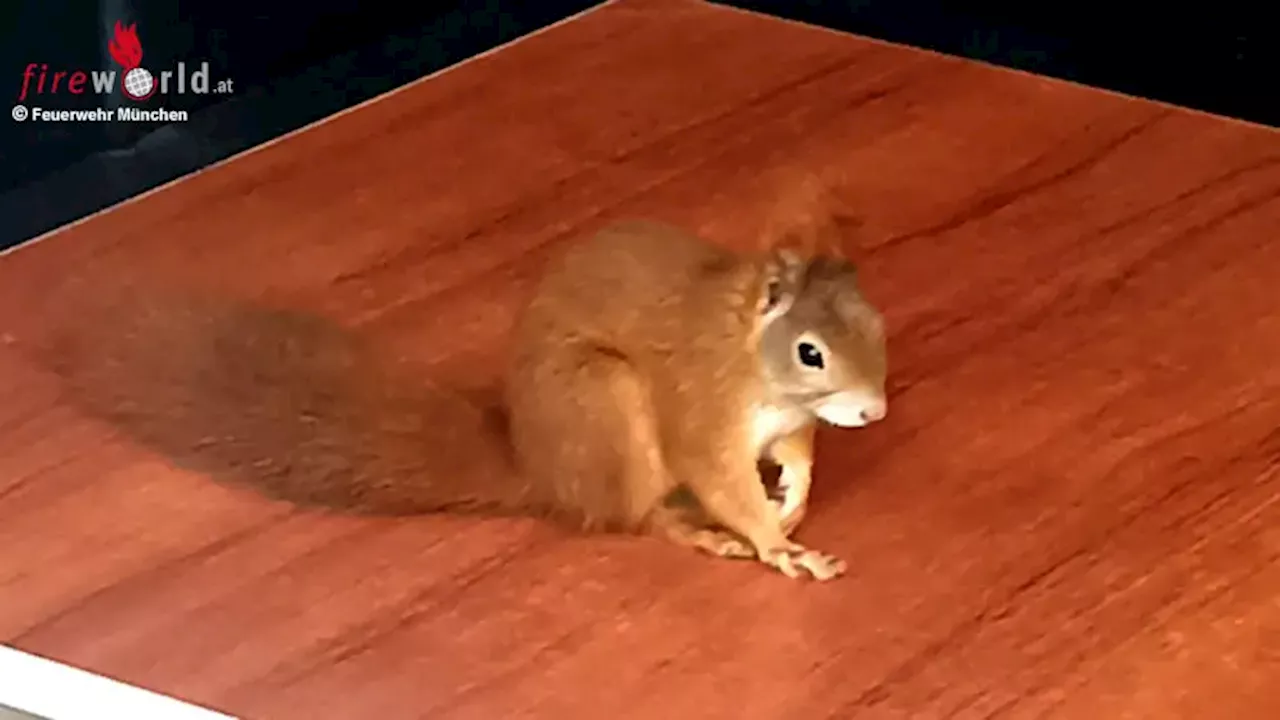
794,559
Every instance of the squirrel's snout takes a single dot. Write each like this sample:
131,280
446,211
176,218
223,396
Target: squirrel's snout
852,409
874,411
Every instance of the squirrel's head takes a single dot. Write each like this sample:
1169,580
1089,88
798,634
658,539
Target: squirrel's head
822,344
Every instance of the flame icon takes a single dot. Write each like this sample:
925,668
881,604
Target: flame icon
124,47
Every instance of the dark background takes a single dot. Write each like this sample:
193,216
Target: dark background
293,64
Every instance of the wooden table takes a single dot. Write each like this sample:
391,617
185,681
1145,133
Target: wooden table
1070,511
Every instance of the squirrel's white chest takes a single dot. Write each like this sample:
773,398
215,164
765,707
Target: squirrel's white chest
770,422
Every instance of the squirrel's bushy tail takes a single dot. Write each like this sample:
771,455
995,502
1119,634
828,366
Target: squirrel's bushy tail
289,404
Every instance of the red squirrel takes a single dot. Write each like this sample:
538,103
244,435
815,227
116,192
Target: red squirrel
648,374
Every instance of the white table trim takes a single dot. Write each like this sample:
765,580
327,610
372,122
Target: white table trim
56,691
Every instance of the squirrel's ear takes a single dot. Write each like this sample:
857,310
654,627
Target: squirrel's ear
784,273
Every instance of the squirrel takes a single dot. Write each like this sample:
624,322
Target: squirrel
650,361
648,375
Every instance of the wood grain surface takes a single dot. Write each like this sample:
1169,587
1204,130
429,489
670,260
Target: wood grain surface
1070,511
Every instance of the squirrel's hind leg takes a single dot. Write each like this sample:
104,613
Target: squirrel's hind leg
584,430
689,526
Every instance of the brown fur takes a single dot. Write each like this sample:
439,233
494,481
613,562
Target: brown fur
283,402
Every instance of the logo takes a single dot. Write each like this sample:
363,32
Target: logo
137,83
42,83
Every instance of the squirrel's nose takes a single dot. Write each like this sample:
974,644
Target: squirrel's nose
874,412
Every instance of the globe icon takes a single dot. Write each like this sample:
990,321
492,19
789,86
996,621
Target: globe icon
138,84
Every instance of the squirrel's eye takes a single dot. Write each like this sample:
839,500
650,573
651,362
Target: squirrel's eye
809,355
